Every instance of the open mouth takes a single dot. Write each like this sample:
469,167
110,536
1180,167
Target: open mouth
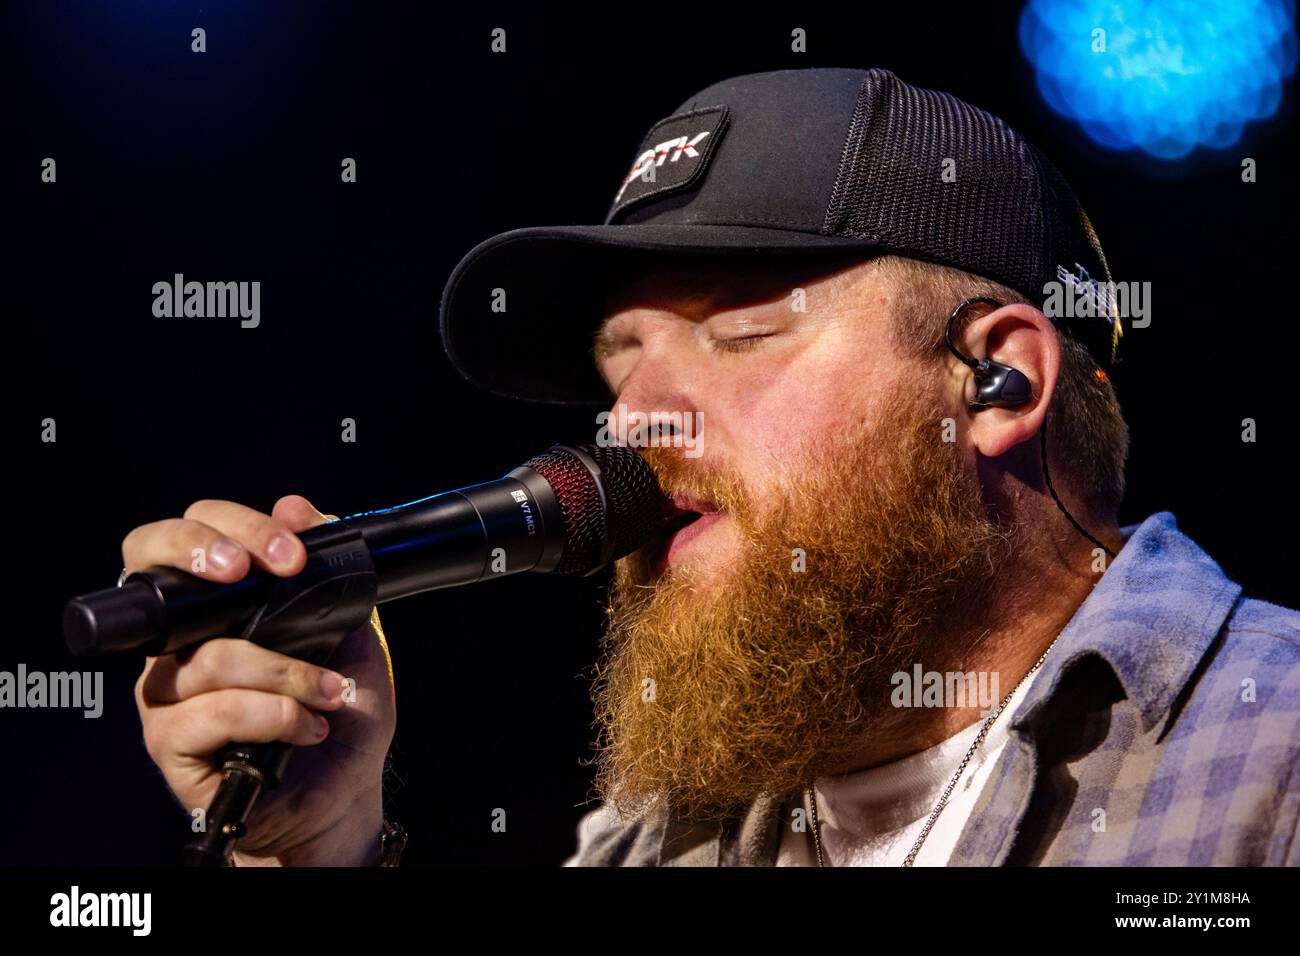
688,518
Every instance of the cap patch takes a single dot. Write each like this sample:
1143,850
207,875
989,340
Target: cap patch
672,157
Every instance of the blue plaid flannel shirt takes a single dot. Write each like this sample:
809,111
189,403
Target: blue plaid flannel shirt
1163,730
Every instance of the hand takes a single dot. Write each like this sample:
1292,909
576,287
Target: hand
328,810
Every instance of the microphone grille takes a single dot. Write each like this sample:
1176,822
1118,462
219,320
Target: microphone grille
600,531
634,498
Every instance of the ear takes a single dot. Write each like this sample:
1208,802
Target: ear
1022,337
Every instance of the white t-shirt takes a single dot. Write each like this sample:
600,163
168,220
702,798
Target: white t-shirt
872,817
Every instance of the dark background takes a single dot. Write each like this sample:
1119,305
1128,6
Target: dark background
226,166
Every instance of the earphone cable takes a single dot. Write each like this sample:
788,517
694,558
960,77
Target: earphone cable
1042,443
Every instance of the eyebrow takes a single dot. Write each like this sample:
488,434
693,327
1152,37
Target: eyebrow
603,341
606,338
703,290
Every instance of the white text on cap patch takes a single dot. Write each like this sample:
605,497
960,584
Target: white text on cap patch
672,157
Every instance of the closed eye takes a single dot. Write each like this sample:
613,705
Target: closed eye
740,343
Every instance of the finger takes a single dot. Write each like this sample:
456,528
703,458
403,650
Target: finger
273,546
191,546
226,662
200,726
297,513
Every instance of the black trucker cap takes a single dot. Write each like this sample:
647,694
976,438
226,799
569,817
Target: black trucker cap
803,162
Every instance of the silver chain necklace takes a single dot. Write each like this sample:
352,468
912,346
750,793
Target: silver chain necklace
943,800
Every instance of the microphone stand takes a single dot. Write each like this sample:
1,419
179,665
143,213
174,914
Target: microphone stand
335,593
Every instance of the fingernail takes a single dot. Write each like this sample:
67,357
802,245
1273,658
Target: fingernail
223,554
280,550
322,726
331,684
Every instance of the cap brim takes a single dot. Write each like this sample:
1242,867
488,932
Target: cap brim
520,310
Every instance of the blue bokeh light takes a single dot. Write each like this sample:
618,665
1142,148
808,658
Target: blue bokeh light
1162,76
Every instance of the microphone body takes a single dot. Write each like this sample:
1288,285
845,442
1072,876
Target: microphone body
569,510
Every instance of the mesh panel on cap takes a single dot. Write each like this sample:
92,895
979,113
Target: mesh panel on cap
890,187
1008,215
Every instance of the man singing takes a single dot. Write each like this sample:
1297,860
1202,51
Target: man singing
905,627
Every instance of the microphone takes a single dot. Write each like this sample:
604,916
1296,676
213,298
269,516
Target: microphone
569,510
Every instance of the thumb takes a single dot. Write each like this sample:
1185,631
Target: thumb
298,514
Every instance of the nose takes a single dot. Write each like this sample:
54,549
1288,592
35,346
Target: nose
657,402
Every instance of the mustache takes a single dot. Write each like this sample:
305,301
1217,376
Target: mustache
692,487
692,481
